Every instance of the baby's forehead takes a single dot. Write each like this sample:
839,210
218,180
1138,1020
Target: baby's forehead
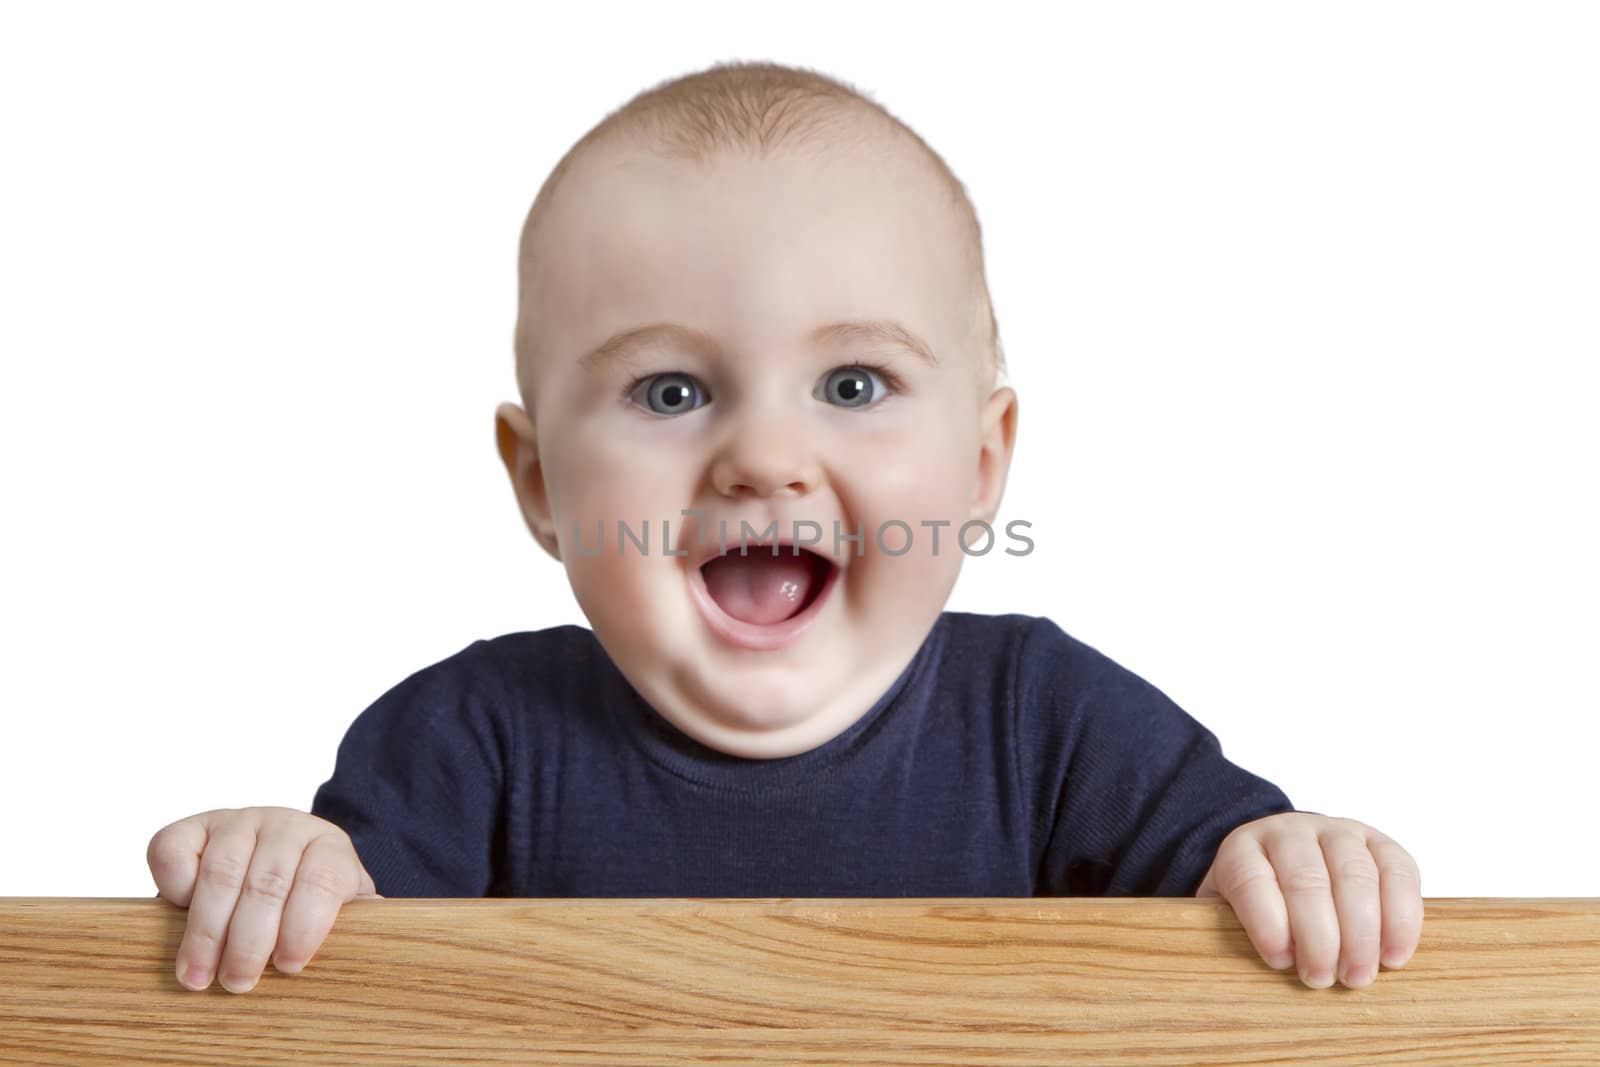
761,248
861,153
836,207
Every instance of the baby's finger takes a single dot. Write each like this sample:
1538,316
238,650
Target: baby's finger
1401,891
329,875
1307,888
1355,899
267,885
1250,886
222,868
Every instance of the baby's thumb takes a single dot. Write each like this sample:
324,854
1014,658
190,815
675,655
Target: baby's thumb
367,889
173,857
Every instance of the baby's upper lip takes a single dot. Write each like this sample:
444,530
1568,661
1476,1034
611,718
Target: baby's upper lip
699,555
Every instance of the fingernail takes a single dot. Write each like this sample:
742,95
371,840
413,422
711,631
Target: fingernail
1318,980
193,976
289,966
1281,963
1396,959
237,985
1357,976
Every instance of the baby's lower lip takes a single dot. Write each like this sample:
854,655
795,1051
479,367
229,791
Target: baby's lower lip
750,635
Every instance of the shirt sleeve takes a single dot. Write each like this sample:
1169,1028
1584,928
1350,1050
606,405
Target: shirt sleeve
1133,795
418,781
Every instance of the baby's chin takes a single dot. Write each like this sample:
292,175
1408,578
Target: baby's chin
752,722
750,701
754,705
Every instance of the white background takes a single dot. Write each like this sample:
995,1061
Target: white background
1300,300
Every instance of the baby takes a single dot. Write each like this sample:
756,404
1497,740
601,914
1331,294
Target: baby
764,419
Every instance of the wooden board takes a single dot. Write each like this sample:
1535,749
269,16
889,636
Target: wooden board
1122,981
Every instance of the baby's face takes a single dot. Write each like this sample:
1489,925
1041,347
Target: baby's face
750,415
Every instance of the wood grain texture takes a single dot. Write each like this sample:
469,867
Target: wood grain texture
1122,981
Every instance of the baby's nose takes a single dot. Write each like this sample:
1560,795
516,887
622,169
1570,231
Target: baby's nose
762,459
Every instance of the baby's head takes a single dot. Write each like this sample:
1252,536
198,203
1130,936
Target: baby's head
760,210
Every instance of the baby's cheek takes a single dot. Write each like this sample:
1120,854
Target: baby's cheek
926,511
600,495
627,599
910,548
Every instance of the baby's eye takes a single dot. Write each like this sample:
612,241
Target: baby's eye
854,386
670,393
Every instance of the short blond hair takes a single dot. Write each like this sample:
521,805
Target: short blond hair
760,108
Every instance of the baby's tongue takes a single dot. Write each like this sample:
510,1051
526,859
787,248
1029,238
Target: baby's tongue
759,588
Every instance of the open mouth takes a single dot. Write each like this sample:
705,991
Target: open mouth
762,599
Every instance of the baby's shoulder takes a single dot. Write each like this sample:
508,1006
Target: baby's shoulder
554,663
1036,660
1017,640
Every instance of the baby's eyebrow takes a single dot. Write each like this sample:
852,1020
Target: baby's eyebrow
884,332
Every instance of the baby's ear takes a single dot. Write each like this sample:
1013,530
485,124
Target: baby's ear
519,451
997,429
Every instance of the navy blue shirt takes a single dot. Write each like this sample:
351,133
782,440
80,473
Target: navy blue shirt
1009,759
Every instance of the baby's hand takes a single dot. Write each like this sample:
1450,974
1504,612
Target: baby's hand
254,879
1329,886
